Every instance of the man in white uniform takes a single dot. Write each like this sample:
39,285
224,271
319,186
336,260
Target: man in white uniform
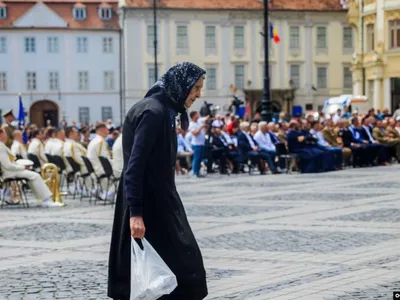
99,147
11,169
118,157
36,147
18,147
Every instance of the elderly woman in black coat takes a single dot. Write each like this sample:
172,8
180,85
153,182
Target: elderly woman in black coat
148,204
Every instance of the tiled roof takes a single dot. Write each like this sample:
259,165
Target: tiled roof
302,5
15,10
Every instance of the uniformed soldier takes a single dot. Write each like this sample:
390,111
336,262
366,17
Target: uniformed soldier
391,129
36,146
75,150
382,136
18,148
334,140
99,147
8,127
55,143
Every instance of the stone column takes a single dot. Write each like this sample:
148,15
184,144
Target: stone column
308,57
387,103
226,56
377,94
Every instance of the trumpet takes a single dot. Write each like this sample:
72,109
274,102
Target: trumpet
51,178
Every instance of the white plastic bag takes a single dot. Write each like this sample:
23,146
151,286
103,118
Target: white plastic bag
150,276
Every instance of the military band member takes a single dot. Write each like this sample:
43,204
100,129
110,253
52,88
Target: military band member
9,129
99,147
11,169
18,148
55,142
36,146
331,136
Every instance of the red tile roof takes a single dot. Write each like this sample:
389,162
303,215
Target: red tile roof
300,5
16,9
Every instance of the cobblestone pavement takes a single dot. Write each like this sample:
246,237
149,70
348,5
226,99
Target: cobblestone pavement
320,236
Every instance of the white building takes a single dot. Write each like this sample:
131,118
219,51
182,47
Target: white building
63,57
314,55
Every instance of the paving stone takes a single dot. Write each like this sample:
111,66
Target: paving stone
293,241
52,232
377,215
228,210
375,292
320,196
377,185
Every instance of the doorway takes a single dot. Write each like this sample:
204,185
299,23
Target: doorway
395,93
44,113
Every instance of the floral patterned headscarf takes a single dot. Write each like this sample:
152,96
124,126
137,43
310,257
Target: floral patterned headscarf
178,81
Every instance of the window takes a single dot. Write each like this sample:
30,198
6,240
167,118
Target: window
150,39
3,81
105,13
370,37
3,12
322,77
53,81
31,81
394,31
106,113
79,13
211,43
211,82
347,78
30,44
109,80
321,38
294,37
3,44
52,44
84,115
238,37
82,44
309,106
239,76
295,75
182,37
151,76
83,80
107,45
347,38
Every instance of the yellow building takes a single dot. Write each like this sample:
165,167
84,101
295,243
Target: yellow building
376,61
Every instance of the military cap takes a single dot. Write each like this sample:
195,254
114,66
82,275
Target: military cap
7,113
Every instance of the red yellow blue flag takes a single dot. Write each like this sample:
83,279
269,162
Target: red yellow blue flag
273,33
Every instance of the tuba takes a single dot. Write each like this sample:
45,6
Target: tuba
52,179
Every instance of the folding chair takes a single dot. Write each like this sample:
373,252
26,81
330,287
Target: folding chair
283,153
20,183
62,168
109,172
76,171
99,188
36,162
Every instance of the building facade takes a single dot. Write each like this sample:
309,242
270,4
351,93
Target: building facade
64,59
376,62
310,64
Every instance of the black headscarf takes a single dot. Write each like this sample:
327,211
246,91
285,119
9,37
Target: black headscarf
177,82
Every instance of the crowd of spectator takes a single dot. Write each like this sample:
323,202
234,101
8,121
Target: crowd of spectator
308,144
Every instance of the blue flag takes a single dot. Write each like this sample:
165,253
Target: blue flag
21,120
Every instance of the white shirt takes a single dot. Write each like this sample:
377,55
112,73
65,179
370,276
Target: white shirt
227,137
118,157
98,147
18,149
54,147
200,139
36,148
249,139
264,141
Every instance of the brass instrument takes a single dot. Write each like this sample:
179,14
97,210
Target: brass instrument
52,179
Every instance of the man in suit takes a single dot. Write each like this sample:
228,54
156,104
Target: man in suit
222,150
351,139
11,169
379,150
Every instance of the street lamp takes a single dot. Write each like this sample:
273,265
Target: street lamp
155,39
266,113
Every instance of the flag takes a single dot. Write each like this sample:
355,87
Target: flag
273,33
21,120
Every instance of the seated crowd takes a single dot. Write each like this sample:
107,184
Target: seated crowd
308,145
82,151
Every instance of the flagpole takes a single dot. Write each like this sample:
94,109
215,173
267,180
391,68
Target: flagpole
266,113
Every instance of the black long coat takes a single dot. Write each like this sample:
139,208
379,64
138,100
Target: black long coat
148,189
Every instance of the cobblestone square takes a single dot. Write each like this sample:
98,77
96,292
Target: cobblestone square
332,236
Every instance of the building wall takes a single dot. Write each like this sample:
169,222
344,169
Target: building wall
67,62
135,23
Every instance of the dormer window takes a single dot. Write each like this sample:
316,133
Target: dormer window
79,12
105,13
3,11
